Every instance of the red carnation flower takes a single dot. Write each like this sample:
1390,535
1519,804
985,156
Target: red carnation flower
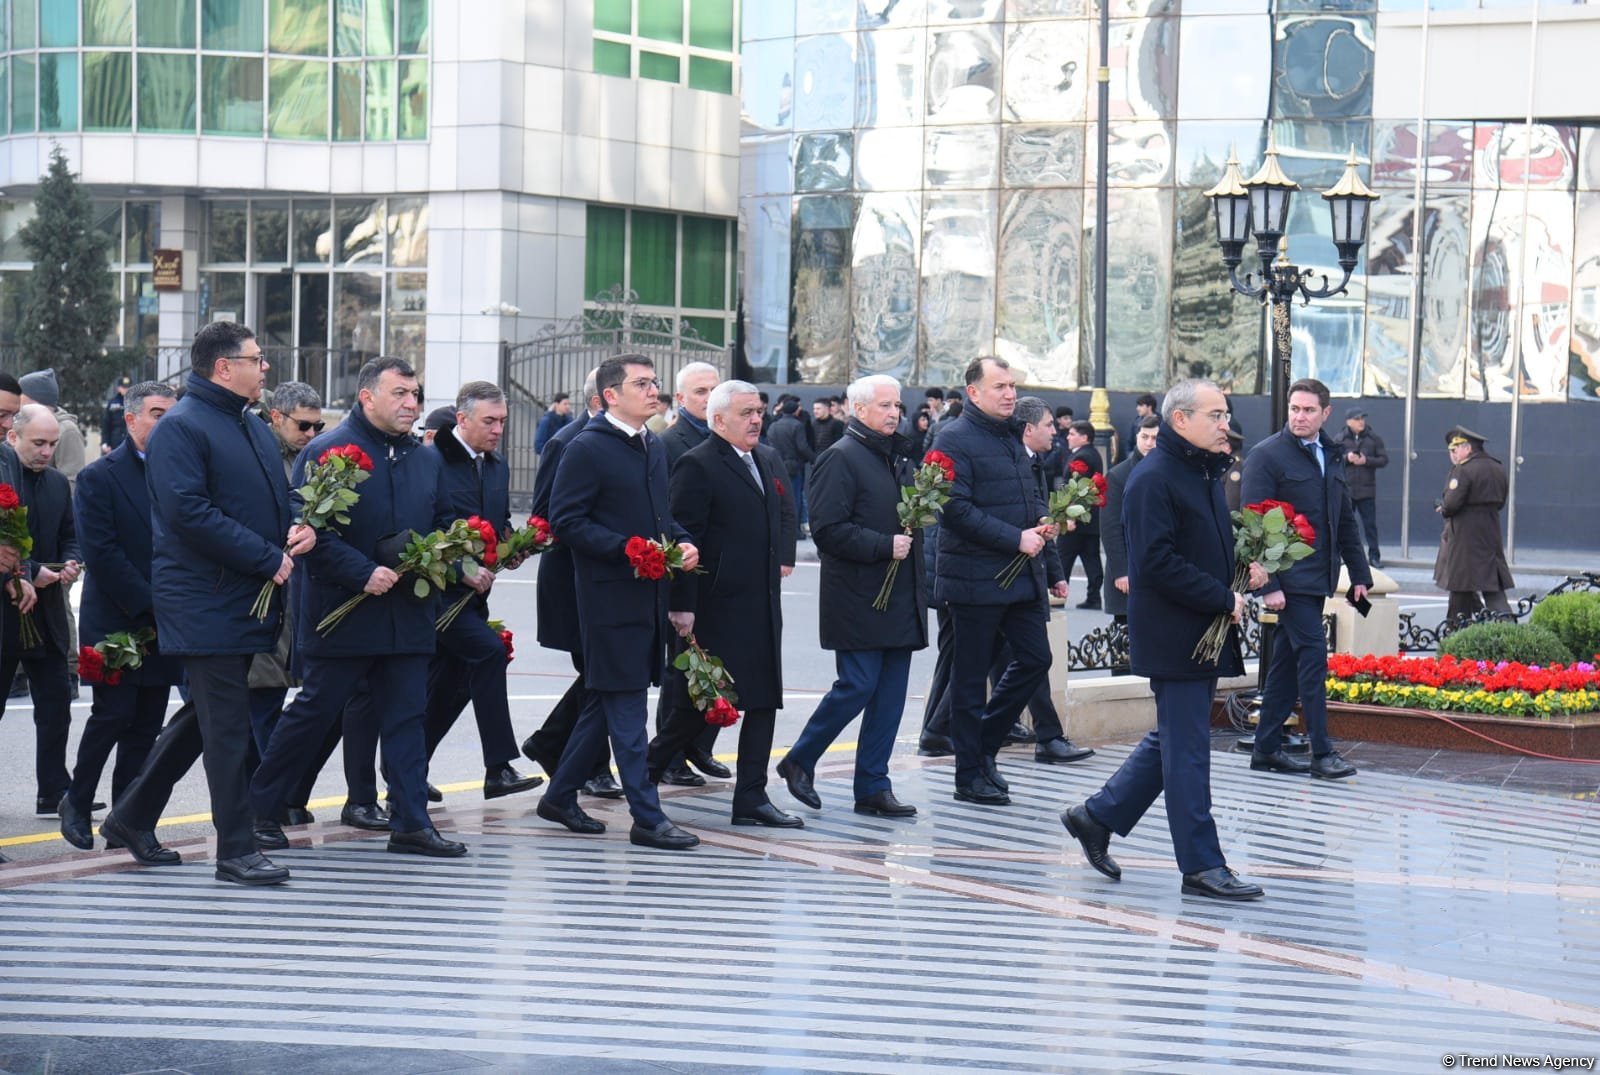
636,547
540,528
1303,527
1078,466
91,665
505,640
1099,482
944,463
8,498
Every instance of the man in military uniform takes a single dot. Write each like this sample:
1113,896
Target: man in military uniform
1472,558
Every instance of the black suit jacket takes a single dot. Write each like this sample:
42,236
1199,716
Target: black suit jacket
1281,468
48,498
556,596
680,438
469,492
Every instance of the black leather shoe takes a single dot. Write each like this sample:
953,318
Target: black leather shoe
434,794
769,816
681,776
1095,839
3,859
1220,883
665,836
46,806
297,815
252,869
1279,762
140,843
572,817
547,762
1091,604
935,746
269,835
991,769
884,804
507,781
369,816
603,786
799,782
75,826
1018,734
426,842
1060,750
1328,767
703,761
983,792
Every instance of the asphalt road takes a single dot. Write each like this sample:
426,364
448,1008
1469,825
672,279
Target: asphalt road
537,679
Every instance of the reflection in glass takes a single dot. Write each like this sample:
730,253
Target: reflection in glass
820,315
1204,145
380,100
824,73
768,84
144,232
221,293
1442,362
166,92
230,25
166,24
1047,71
874,13
380,27
107,91
958,269
884,284
822,161
1327,334
1313,152
1238,89
23,93
298,26
1037,285
107,22
408,232
413,18
1140,153
408,318
298,99
1545,270
231,101
58,91
1496,218
889,77
764,245
313,238
1044,9
1042,156
58,24
889,158
769,19
1138,287
227,225
141,311
1144,68
964,10
360,224
962,157
814,18
271,231
1584,369
347,102
764,164
1323,65
1216,332
347,27
964,75
1391,271
1508,155
413,99
1447,158
357,328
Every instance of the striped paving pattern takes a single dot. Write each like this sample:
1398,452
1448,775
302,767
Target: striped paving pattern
1405,919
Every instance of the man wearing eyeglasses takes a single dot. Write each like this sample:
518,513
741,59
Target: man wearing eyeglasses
1302,465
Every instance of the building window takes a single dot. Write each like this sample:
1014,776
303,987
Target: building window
678,266
690,42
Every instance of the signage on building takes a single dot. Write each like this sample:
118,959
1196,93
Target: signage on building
167,269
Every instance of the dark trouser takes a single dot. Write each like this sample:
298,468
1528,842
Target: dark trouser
797,482
360,738
176,750
550,741
936,711
125,717
621,716
395,686
219,687
1299,667
978,730
1175,758
871,682
686,724
1466,602
1077,545
1041,706
673,703
470,654
52,710
1368,510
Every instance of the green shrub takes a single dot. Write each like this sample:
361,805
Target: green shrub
1574,618
1505,641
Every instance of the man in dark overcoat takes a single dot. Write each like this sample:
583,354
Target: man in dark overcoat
1364,455
1472,557
112,506
612,486
855,488
725,493
470,662
1113,537
221,526
1180,570
47,495
389,638
1302,465
1082,540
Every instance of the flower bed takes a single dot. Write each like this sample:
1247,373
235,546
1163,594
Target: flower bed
1503,689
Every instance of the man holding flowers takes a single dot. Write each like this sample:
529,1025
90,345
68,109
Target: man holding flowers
388,639
1303,466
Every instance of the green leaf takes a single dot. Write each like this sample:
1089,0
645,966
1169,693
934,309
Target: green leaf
420,588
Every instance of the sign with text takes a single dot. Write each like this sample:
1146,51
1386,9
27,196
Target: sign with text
167,266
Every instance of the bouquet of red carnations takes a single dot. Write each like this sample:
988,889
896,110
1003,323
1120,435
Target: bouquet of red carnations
328,494
531,540
14,532
106,660
920,505
654,560
710,685
499,628
1270,533
430,559
1074,502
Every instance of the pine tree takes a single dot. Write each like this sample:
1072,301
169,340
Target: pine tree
71,308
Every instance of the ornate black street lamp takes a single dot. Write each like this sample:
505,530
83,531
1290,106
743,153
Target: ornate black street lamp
1260,204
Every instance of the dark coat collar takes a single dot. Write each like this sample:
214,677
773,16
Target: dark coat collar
887,447
999,427
203,388
398,441
1212,464
454,452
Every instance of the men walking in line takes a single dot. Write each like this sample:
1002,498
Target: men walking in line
221,526
112,508
855,488
612,486
1180,569
1302,465
725,494
1112,535
1472,557
1364,456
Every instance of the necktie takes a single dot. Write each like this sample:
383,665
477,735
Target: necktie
1315,448
755,474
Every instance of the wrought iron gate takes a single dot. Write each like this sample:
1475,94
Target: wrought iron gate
561,356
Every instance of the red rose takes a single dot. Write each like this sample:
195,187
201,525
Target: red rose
636,547
540,528
722,713
8,498
944,463
113,676
1100,483
505,640
1078,466
91,665
1303,527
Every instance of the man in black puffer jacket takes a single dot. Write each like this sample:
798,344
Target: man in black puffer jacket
993,515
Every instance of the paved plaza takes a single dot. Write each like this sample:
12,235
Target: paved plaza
1435,904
